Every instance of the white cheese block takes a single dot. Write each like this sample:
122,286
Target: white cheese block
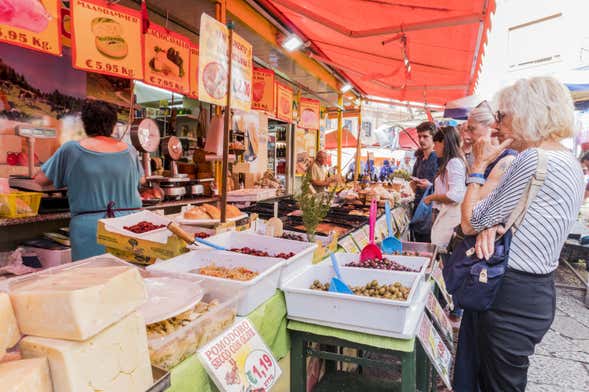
28,375
115,360
76,303
9,334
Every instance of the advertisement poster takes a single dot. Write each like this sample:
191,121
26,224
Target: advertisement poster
284,96
32,24
212,61
263,90
310,110
255,127
439,316
166,59
241,73
107,39
238,360
305,146
193,73
436,350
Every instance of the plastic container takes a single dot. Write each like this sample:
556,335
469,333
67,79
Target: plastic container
416,263
19,204
353,312
254,292
293,266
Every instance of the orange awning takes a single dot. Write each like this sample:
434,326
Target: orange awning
410,50
348,139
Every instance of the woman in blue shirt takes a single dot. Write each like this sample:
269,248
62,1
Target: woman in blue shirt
101,174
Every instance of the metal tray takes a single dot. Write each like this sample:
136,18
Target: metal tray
162,380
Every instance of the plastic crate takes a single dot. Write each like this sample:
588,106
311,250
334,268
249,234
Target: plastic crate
19,204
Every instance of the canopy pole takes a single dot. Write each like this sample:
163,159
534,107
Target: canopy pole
340,122
358,144
226,128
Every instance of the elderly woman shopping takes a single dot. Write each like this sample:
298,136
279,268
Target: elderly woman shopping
534,116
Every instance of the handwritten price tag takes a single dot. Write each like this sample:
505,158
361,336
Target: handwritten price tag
260,369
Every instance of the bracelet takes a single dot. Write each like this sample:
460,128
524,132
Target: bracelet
477,175
475,180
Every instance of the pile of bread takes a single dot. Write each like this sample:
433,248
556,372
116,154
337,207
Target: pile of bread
207,211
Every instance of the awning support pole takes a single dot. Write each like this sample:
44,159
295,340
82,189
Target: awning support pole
358,146
226,129
340,122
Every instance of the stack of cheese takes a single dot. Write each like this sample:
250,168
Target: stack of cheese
83,323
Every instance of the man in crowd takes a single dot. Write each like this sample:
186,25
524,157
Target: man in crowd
320,173
467,142
424,172
406,165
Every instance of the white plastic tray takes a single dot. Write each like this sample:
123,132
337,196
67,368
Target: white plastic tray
255,291
351,312
116,225
168,297
416,263
295,265
197,222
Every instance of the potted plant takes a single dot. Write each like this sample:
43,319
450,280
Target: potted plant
314,206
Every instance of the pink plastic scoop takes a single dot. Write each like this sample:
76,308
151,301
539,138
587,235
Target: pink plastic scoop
371,251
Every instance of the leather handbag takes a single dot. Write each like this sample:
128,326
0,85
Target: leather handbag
473,282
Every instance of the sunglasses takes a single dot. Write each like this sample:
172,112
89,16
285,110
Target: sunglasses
498,115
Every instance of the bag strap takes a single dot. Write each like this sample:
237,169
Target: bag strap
532,189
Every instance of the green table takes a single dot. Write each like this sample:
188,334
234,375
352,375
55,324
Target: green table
269,319
415,370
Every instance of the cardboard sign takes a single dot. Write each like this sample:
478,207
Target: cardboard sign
436,350
348,244
361,238
380,230
107,39
309,111
212,61
283,104
193,73
166,59
32,24
238,360
241,73
439,279
439,317
263,90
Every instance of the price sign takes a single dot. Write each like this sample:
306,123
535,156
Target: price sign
439,316
348,244
435,349
260,369
439,279
381,230
239,360
361,238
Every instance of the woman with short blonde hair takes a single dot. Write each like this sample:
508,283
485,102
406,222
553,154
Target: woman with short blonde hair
534,116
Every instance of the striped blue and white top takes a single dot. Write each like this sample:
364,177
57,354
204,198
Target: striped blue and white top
536,245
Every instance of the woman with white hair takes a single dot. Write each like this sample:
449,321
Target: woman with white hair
534,116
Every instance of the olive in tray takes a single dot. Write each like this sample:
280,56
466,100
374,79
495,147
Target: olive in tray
395,291
261,253
383,264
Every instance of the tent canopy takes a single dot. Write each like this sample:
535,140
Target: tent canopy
459,108
348,139
411,50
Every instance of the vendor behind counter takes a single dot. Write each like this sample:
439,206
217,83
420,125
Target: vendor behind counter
102,176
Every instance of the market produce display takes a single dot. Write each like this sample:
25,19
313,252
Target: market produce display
384,264
237,273
26,375
412,253
208,212
143,227
9,333
174,339
261,253
402,174
294,237
395,291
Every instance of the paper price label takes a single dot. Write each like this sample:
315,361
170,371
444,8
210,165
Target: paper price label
361,238
348,244
260,370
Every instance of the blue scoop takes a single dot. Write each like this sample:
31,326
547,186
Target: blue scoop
337,285
208,243
391,243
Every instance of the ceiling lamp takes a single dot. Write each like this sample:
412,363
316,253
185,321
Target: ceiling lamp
292,43
346,87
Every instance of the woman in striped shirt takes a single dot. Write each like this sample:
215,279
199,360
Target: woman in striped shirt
533,114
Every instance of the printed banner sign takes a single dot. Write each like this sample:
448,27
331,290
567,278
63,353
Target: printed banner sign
238,360
32,24
309,111
212,67
439,317
283,104
107,39
263,90
348,244
361,238
193,73
438,277
166,59
435,349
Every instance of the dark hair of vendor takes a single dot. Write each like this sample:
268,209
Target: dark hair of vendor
427,126
450,137
99,118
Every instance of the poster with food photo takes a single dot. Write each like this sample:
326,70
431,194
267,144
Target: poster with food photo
263,90
309,113
166,59
284,96
193,73
32,24
107,39
212,61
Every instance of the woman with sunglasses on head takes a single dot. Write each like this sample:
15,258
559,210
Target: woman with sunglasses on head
449,185
534,116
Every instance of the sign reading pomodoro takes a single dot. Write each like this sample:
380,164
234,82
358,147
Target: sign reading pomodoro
107,39
166,59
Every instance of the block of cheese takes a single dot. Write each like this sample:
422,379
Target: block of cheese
76,303
115,360
9,334
27,375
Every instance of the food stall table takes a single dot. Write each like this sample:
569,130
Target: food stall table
414,364
269,320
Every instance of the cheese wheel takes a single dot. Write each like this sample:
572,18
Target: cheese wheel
115,360
27,375
9,333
